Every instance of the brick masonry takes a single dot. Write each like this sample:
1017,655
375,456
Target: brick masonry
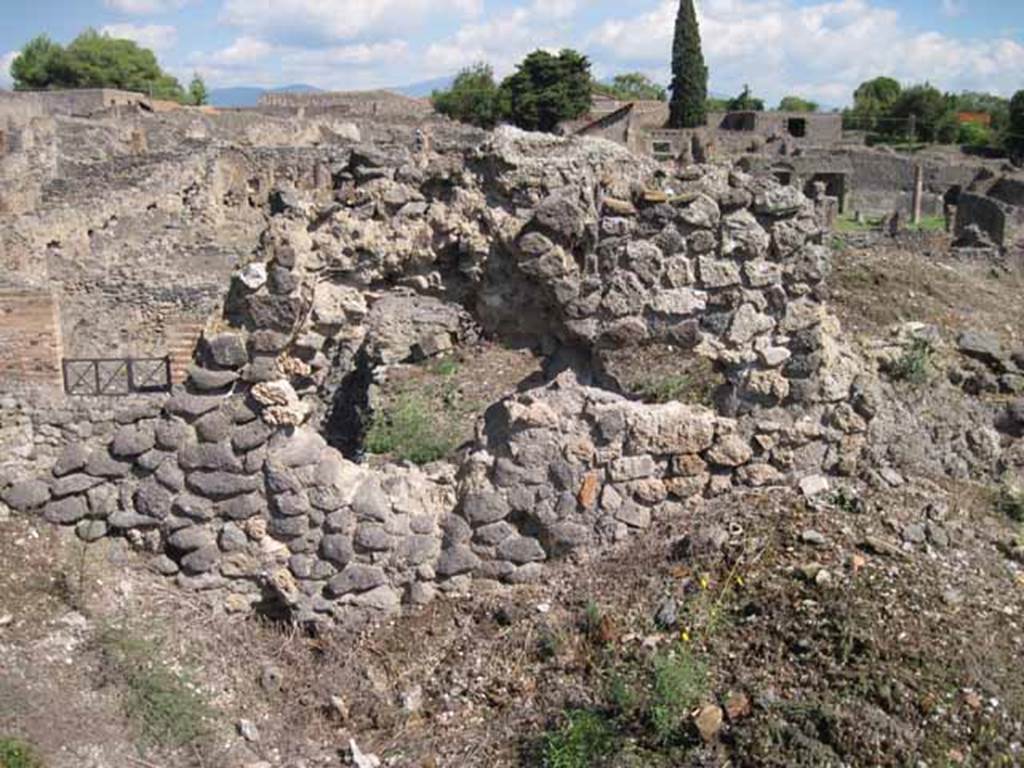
30,340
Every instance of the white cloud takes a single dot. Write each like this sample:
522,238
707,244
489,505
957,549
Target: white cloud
159,37
504,38
324,22
251,61
6,81
244,51
821,51
144,7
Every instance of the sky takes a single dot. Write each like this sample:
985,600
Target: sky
818,49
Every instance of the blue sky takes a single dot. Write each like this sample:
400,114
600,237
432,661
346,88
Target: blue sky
816,48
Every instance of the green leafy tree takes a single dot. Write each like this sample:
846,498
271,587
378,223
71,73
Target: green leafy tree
93,60
745,102
41,64
1015,137
871,103
688,107
974,135
473,98
928,110
197,93
632,86
797,104
546,90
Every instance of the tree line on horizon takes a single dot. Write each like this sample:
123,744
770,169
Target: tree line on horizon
97,60
547,89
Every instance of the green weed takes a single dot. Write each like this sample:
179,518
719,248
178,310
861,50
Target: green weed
680,684
915,364
411,430
167,708
15,753
584,741
1010,502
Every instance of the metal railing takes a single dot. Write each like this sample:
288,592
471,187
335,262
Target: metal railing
113,377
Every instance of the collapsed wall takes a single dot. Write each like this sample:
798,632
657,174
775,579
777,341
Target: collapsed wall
577,246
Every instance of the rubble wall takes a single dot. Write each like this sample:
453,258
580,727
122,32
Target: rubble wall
230,484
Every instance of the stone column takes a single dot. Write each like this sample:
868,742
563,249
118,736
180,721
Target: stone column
918,193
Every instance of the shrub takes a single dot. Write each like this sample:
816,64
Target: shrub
914,366
584,741
1010,502
473,97
680,683
15,753
974,135
547,89
411,430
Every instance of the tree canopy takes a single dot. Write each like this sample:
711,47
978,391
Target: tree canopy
1015,140
93,60
197,93
632,86
688,108
928,111
473,97
546,90
746,102
797,104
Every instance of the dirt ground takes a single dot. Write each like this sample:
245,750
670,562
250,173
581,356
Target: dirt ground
828,630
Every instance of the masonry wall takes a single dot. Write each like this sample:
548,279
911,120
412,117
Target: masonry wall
30,340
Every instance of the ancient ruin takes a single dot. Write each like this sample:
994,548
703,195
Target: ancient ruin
203,311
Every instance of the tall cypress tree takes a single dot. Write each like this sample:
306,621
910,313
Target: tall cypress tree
689,73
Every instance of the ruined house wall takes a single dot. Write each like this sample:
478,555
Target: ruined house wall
229,488
136,238
85,101
883,182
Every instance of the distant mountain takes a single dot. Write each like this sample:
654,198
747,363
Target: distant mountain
249,96
425,87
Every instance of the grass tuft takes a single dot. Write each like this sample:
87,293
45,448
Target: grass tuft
915,364
680,684
15,753
584,741
411,430
169,711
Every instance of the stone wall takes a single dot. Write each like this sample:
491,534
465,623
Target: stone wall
230,484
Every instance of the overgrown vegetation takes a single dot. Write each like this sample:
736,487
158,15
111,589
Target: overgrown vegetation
631,86
167,708
914,366
585,740
93,60
1010,502
545,90
892,114
419,422
15,753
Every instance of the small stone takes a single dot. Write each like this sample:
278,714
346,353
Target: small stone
356,577
271,678
709,722
247,730
26,495
91,530
814,538
914,534
814,485
64,511
737,706
667,616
